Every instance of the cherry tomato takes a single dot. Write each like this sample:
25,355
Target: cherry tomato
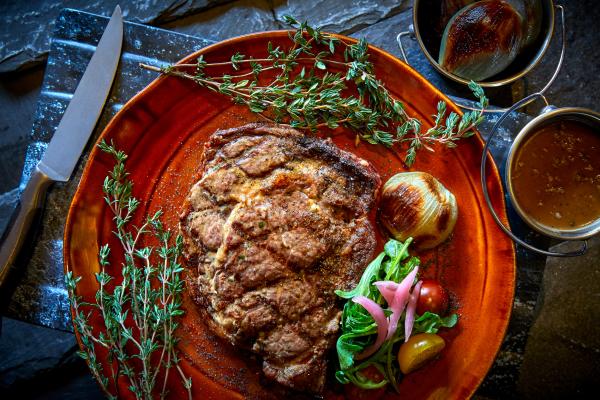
432,297
355,393
419,350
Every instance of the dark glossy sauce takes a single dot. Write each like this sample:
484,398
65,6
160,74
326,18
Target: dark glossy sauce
556,175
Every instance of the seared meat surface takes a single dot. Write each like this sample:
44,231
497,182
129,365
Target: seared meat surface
277,222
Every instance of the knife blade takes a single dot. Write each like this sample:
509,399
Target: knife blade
79,120
69,139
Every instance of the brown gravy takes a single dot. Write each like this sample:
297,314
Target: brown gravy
555,175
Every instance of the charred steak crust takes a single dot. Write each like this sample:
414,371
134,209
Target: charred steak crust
276,223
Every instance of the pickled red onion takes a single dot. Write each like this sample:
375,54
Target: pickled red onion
399,301
382,324
410,310
387,290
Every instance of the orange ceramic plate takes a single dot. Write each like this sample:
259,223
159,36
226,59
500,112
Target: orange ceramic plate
163,130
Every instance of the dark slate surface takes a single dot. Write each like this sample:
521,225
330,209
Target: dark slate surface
41,363
568,321
231,19
27,25
520,370
342,16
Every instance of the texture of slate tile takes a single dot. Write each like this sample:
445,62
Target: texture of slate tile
27,25
562,356
229,20
19,93
41,363
33,352
342,16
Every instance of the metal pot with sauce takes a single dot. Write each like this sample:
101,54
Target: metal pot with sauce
553,173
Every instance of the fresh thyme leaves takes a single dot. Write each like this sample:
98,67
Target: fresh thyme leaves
310,86
139,315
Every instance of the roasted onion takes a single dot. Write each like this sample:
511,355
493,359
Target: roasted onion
482,39
415,204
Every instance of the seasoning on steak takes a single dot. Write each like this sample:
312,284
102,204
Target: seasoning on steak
277,222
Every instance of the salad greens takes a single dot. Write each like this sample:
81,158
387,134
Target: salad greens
359,330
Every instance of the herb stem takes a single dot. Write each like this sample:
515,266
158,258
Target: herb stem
216,64
138,315
312,98
246,74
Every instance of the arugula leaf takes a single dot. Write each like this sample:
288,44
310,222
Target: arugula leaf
359,328
397,252
395,249
347,346
431,323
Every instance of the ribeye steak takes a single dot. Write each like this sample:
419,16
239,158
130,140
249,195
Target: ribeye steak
277,222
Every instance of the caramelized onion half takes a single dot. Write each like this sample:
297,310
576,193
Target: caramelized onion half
415,204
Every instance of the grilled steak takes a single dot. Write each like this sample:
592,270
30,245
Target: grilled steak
277,222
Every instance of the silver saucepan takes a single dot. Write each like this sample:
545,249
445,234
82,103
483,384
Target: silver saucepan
428,37
549,115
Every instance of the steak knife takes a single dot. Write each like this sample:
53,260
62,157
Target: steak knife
69,140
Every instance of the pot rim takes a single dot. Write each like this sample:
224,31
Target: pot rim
582,232
486,84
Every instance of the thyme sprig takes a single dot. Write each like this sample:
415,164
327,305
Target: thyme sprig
304,91
138,315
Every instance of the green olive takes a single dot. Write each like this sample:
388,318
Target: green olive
419,350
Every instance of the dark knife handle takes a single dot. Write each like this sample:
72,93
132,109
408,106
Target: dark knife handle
32,199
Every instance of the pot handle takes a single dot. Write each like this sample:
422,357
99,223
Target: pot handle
411,33
486,195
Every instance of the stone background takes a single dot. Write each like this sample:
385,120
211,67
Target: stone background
551,349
